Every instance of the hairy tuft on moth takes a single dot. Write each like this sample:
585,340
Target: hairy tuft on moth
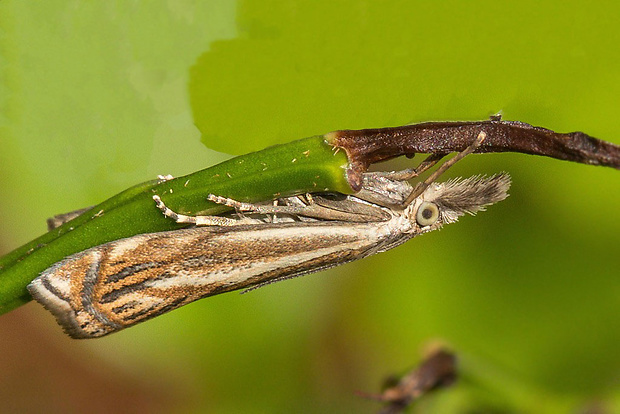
118,284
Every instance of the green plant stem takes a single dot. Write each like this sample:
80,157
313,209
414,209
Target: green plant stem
306,165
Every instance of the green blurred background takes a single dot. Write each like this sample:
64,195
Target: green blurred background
97,96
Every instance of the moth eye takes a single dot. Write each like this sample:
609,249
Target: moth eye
428,214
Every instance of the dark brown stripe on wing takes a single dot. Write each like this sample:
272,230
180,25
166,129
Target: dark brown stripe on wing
52,289
143,312
129,305
117,293
88,287
130,270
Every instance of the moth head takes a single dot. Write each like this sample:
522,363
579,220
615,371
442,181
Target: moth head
444,203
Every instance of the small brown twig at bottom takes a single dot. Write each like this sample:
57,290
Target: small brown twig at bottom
438,370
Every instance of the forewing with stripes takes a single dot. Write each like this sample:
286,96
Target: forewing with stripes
118,284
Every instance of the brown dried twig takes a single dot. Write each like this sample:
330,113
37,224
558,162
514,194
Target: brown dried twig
367,146
438,370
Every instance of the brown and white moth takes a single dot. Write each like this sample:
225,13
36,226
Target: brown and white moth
118,284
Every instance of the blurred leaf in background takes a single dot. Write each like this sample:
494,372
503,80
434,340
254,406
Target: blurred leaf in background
98,96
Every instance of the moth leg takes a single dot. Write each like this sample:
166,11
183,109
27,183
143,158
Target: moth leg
316,207
410,173
298,209
391,188
237,205
196,220
423,185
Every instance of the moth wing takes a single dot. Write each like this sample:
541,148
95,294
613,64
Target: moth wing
56,290
113,286
107,288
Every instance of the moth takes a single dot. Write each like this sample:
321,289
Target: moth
118,284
